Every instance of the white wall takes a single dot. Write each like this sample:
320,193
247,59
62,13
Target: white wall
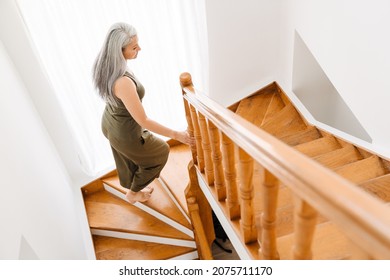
243,39
319,96
19,48
349,40
37,201
42,212
252,41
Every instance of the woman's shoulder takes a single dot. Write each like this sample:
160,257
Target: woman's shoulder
124,81
123,85
129,74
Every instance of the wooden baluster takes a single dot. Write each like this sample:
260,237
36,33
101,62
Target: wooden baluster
228,162
219,180
186,81
198,138
270,187
305,218
209,169
245,174
200,214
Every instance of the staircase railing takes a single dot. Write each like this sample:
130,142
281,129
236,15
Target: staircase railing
227,147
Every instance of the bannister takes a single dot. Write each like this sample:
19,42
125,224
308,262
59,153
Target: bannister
317,189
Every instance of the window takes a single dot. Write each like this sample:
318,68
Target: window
68,35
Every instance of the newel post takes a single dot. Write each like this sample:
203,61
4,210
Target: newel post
200,214
186,82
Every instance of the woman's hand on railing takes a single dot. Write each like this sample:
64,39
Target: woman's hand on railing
184,137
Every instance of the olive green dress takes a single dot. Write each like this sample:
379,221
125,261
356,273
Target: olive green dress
139,155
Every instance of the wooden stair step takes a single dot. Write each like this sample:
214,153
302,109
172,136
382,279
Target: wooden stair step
254,108
95,186
160,200
275,106
379,187
285,207
175,173
108,212
329,243
285,196
285,220
109,248
319,146
286,122
311,133
362,170
339,157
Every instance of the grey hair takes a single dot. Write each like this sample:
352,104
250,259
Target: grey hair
110,63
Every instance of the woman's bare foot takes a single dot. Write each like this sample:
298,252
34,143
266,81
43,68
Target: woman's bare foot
140,196
148,189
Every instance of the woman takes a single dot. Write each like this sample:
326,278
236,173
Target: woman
139,155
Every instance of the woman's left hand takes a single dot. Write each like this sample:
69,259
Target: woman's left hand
184,137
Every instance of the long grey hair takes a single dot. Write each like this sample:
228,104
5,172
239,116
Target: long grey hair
110,63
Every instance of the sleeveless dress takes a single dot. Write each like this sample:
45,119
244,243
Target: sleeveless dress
139,155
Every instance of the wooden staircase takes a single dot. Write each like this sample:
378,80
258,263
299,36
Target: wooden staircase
155,230
367,170
286,189
282,211
283,121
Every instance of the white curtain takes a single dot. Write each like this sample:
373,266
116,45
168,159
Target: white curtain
68,34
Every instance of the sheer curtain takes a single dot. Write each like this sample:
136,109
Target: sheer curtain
68,34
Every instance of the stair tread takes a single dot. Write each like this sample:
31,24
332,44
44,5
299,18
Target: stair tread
339,157
319,146
285,122
274,107
379,187
309,134
329,243
160,200
362,170
108,212
175,173
284,193
110,248
285,220
254,108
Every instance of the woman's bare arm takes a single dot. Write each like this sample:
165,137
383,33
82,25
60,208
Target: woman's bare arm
126,90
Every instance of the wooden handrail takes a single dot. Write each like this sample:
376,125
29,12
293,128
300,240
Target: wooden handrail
359,215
